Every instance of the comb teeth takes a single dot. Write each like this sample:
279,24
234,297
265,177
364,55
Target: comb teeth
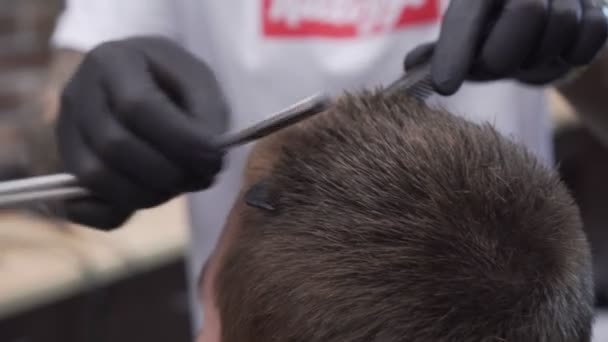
416,83
423,89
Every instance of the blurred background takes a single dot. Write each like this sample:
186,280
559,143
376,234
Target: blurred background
25,27
66,283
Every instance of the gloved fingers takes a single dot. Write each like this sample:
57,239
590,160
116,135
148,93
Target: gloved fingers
190,82
201,180
418,55
545,73
95,213
560,31
424,52
514,36
160,124
459,40
128,155
149,111
92,173
592,34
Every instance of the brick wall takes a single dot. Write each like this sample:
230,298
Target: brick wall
25,28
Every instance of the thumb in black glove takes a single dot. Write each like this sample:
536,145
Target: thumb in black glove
135,127
533,41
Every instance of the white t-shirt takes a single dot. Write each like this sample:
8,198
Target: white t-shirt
268,54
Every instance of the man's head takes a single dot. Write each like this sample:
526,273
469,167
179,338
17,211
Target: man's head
384,220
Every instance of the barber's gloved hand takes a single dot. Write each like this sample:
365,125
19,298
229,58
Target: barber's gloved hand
533,41
135,127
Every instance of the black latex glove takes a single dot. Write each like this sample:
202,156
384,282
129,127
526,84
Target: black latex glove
135,126
533,41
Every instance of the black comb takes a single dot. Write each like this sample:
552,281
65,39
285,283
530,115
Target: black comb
416,82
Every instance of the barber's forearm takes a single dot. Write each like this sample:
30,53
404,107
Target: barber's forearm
63,64
588,94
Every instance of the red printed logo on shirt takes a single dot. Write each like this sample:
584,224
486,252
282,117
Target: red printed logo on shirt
344,18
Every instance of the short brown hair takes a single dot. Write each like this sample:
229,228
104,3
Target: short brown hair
396,222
